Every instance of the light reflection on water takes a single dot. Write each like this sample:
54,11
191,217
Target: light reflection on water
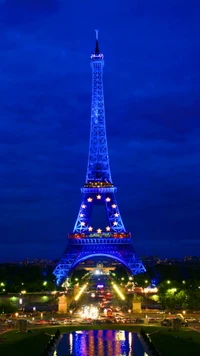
100,343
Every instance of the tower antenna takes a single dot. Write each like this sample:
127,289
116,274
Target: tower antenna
97,50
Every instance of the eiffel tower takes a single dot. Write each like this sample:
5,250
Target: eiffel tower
111,240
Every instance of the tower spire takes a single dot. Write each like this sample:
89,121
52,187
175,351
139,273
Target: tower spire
97,50
98,169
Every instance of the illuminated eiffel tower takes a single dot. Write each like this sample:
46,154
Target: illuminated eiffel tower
112,240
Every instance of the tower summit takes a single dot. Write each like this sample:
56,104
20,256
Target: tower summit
110,240
97,51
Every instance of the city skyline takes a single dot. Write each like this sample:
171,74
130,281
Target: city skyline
151,88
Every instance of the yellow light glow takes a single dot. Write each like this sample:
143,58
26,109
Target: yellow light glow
83,206
80,292
115,223
114,206
108,199
81,215
89,200
90,228
150,290
107,228
23,292
98,196
118,292
82,223
99,231
116,215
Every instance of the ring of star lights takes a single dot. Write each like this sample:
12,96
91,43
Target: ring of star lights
91,228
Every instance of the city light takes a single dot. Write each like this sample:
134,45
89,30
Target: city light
118,292
172,290
90,312
150,290
80,292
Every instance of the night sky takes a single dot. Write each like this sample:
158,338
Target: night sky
151,88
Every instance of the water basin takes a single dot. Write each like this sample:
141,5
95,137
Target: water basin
100,343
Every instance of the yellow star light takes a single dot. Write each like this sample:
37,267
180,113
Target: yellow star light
115,223
83,206
108,199
107,228
114,206
81,215
89,200
90,228
82,223
99,231
116,215
98,196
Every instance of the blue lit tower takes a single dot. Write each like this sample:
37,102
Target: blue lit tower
111,240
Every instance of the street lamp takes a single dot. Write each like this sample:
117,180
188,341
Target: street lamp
168,282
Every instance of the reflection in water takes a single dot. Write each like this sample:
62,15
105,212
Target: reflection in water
100,343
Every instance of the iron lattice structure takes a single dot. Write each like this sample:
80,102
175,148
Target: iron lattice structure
111,241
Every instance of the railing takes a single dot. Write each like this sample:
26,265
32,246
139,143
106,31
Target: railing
101,241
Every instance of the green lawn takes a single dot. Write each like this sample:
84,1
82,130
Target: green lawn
177,343
32,344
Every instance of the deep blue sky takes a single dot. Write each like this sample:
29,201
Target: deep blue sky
152,87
